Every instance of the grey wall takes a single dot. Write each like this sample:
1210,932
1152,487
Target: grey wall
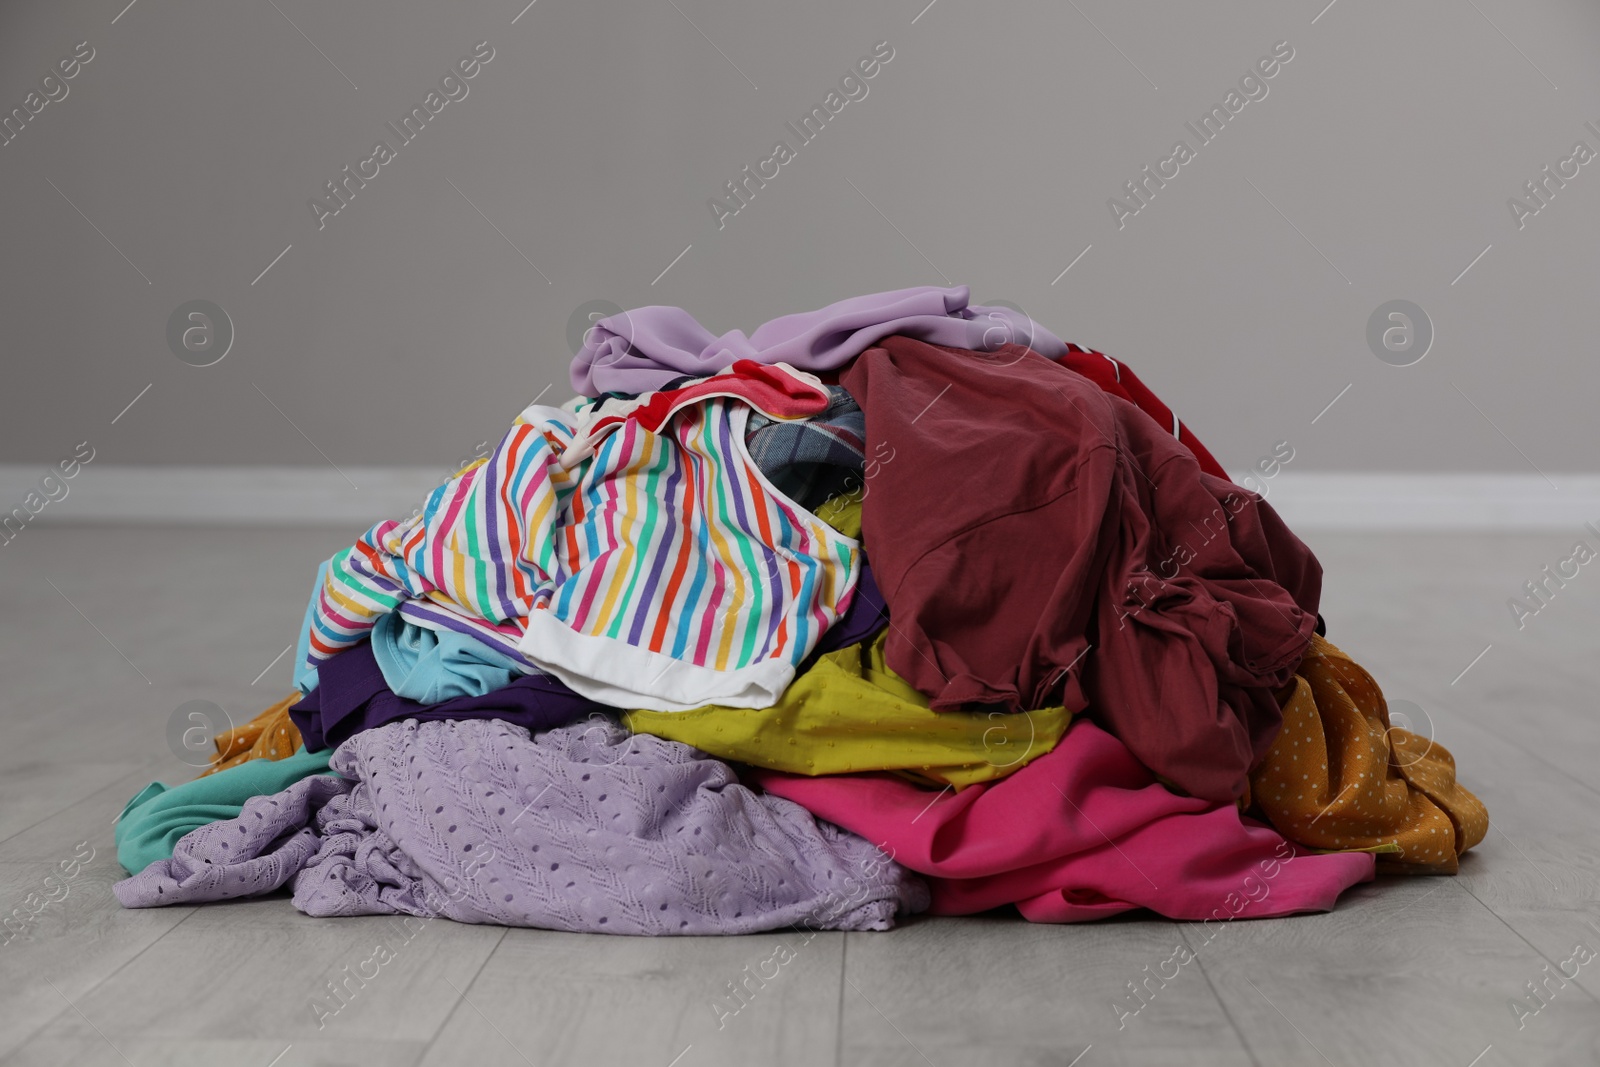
408,329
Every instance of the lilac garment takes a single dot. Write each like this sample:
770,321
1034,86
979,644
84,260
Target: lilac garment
641,350
588,828
352,696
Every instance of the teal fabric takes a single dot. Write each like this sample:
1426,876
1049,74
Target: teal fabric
305,678
433,666
154,820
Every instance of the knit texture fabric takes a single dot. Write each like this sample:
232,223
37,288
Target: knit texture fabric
585,828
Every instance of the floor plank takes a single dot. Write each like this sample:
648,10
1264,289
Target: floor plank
66,948
995,990
1404,974
168,1052
578,999
261,970
1404,971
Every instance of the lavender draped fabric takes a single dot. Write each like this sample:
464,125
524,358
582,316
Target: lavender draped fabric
585,828
641,350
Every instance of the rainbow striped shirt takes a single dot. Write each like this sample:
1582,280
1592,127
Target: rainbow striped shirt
664,572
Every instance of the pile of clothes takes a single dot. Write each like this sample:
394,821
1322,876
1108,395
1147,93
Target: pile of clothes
899,605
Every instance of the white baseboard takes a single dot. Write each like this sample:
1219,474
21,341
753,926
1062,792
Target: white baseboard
361,496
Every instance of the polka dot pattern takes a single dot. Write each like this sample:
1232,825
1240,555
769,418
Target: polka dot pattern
1339,777
270,735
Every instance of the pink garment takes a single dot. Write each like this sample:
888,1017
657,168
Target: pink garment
1080,833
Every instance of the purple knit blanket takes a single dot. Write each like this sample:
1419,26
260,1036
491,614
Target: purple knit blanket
584,828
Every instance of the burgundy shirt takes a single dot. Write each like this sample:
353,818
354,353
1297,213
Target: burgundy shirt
1040,541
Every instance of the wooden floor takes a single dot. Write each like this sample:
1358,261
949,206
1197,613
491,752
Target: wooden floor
107,630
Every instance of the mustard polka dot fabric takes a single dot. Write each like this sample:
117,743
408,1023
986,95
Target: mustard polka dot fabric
1339,777
270,735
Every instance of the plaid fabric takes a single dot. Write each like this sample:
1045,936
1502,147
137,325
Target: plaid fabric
810,460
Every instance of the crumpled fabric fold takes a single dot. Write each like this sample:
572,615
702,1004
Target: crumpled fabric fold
1097,567
1080,833
641,350
851,713
1340,776
585,828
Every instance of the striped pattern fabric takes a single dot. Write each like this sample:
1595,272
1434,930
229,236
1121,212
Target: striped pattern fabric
477,557
727,573
664,572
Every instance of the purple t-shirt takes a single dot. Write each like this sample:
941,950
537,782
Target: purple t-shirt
352,696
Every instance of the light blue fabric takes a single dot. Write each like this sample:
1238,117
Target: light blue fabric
305,676
432,666
428,666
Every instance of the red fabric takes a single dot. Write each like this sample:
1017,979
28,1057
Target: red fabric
1118,379
1040,542
1079,833
773,389
777,390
